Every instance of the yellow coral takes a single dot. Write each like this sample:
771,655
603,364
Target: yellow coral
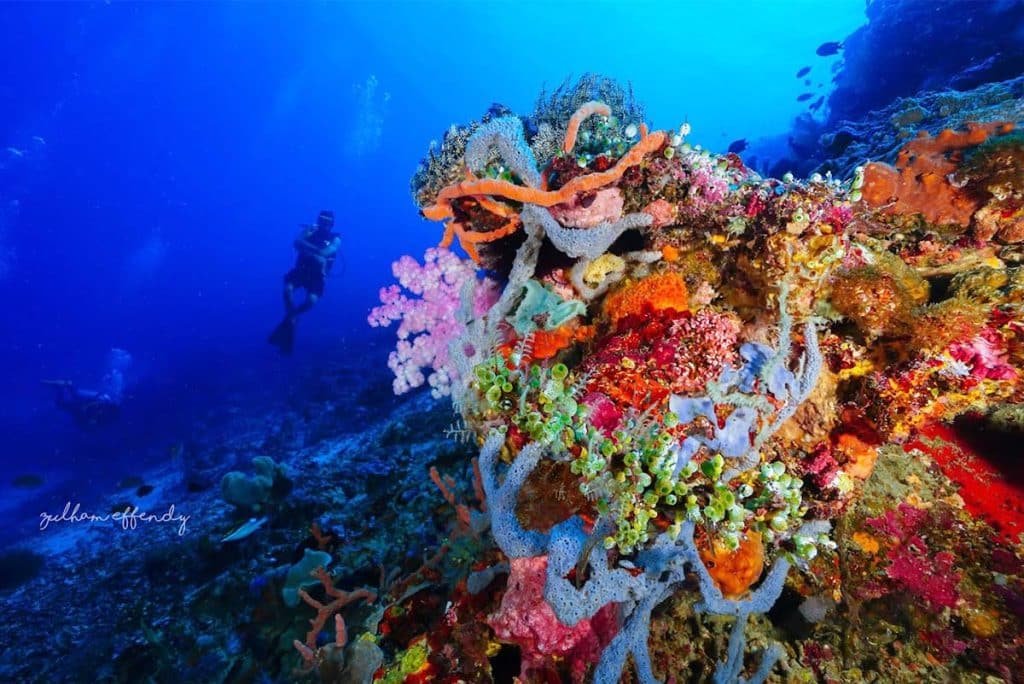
601,267
820,254
982,623
861,368
866,543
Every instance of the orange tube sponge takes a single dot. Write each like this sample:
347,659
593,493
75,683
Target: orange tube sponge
579,116
919,184
654,293
469,239
494,187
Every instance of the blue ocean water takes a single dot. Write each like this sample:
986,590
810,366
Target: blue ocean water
157,160
160,158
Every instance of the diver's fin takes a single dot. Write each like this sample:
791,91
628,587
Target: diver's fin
283,336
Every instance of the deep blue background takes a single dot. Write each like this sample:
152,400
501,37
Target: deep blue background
185,142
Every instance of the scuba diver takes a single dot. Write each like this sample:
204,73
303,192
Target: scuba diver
91,409
317,248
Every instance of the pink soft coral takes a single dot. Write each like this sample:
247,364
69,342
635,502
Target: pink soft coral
428,321
708,185
821,466
933,579
527,620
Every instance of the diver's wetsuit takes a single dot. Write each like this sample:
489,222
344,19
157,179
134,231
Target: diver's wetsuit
308,273
316,248
89,408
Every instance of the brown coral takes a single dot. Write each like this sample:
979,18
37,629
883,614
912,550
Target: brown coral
874,300
994,172
550,494
936,326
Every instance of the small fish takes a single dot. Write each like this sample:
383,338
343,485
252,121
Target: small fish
817,104
804,97
28,481
245,529
15,152
737,146
807,81
175,450
803,72
829,48
39,139
130,482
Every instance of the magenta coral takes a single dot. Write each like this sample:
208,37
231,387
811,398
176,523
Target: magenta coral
821,466
526,619
985,355
930,577
428,321
602,413
696,349
901,523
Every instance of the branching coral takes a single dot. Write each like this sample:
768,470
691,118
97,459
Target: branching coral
309,650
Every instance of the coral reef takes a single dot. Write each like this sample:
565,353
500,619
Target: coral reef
727,428
685,388
840,146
